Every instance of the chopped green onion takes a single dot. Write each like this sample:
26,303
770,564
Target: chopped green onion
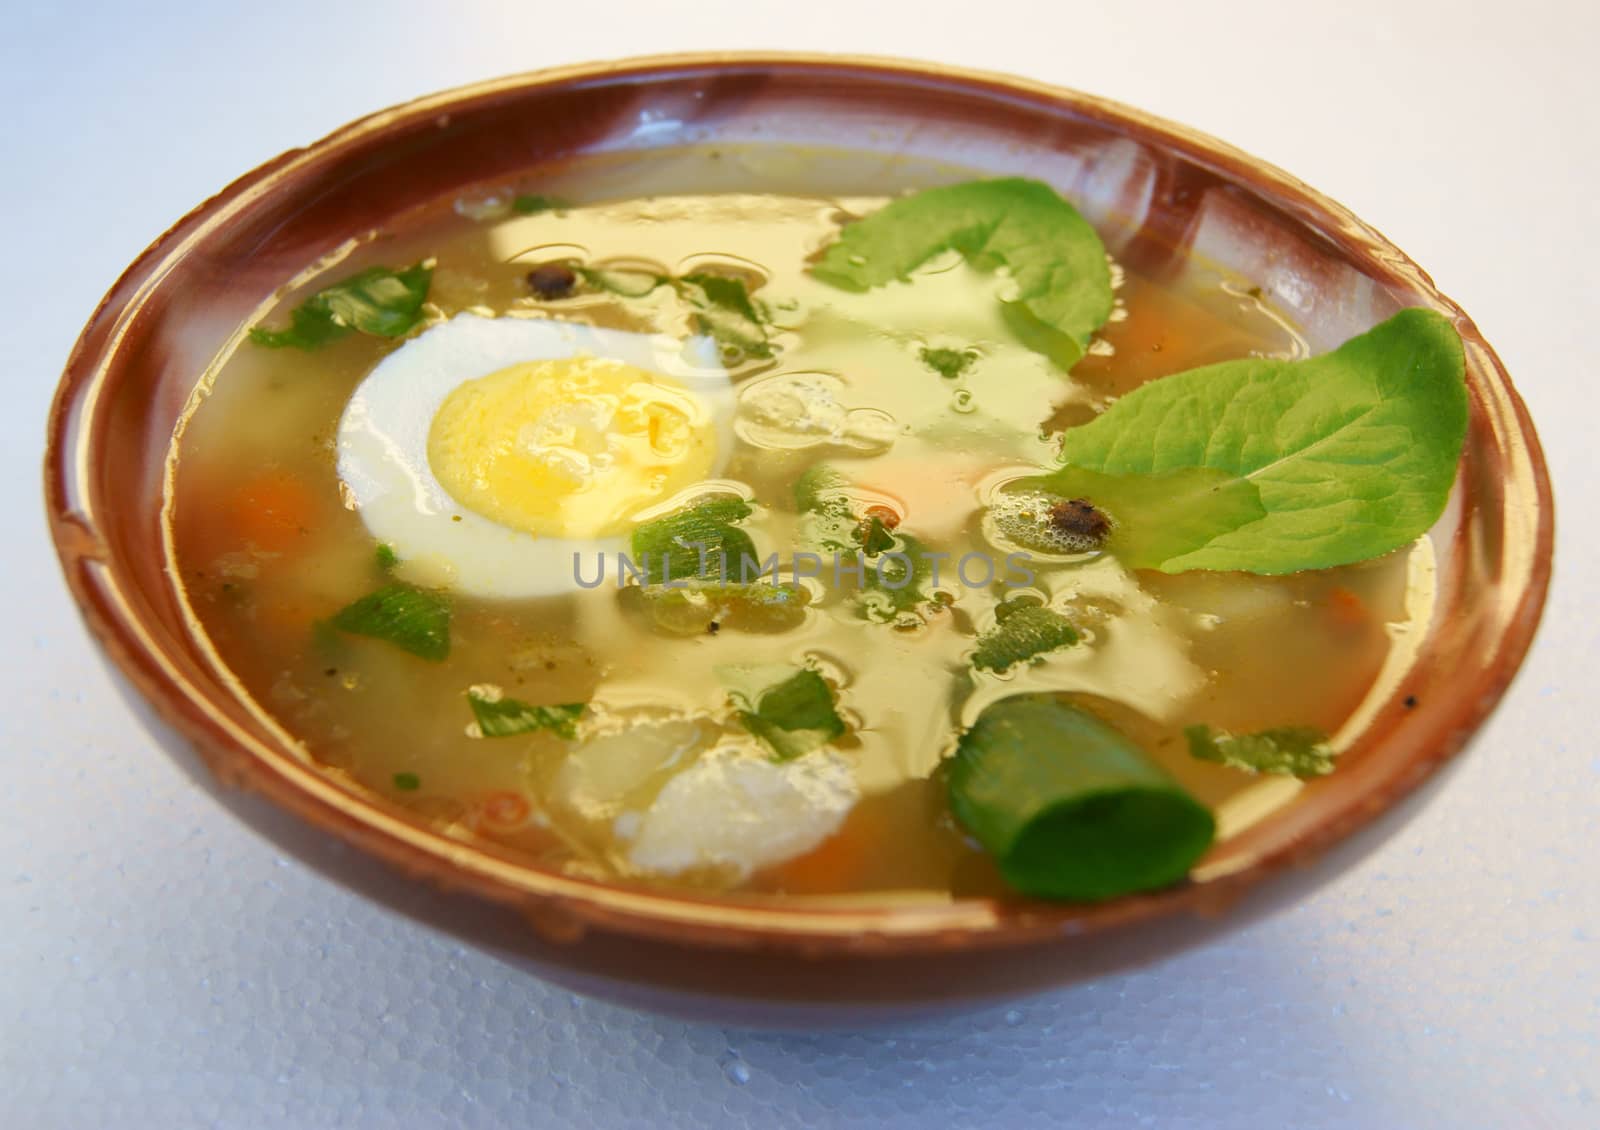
501,717
722,306
1069,807
1297,751
790,709
411,618
724,310
698,541
621,281
407,782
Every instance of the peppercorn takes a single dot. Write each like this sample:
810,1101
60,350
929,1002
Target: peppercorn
552,280
1080,519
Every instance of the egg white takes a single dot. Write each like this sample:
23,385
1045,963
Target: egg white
383,447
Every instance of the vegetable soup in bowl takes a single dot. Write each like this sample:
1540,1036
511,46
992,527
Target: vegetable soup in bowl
796,539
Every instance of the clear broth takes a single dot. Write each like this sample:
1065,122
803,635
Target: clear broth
1161,652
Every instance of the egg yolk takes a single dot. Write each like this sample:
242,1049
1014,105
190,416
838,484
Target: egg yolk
570,447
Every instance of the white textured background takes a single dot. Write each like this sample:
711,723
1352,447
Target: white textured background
160,966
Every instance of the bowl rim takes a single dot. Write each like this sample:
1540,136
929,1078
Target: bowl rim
564,906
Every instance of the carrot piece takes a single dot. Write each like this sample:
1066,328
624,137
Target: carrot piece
272,511
833,865
883,514
505,810
1346,610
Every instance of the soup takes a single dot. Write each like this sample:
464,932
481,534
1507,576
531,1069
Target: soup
660,540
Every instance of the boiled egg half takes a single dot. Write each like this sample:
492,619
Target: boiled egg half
488,452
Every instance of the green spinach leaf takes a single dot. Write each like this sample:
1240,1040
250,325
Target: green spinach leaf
378,301
1270,466
1057,262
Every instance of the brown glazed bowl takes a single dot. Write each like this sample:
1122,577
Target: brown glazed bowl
1162,196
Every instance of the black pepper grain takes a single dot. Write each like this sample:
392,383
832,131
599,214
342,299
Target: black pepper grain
552,280
1080,519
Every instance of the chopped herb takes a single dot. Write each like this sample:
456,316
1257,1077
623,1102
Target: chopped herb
816,486
407,782
1298,751
1270,466
386,557
895,569
722,306
896,582
789,709
378,301
501,717
724,310
623,282
1023,632
948,363
697,541
532,204
828,522
411,618
831,523
1057,262
872,534
1069,807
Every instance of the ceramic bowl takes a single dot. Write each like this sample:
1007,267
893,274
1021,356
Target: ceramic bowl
1164,199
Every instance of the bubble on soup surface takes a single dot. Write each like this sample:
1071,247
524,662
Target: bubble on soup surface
1048,524
798,410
